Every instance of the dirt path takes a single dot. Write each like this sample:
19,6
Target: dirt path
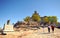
40,34
34,34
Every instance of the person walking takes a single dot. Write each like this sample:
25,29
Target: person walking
52,27
48,28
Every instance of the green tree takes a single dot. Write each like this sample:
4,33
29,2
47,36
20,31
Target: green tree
53,19
27,19
36,17
45,19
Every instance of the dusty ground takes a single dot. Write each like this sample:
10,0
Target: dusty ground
33,34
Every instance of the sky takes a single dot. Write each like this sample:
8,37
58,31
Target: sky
17,10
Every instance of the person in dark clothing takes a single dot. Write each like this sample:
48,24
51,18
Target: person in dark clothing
52,27
49,28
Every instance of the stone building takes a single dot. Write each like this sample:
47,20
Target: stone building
8,27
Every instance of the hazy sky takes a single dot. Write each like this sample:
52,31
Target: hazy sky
18,9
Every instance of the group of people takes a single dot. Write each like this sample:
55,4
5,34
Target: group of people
51,26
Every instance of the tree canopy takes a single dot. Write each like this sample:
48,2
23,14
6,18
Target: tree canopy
45,19
36,17
27,19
